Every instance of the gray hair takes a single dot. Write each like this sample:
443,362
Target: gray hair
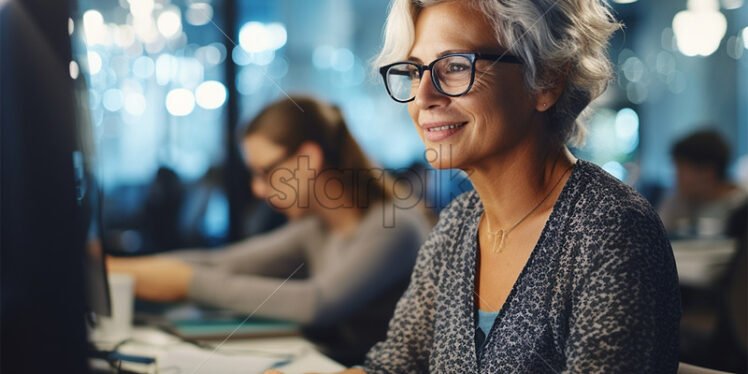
551,37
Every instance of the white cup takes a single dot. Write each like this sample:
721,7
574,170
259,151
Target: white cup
118,326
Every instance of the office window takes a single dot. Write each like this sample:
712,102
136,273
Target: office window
156,94
323,48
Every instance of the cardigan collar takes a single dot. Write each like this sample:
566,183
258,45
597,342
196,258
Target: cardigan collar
462,265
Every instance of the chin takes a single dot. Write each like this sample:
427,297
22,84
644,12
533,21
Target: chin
444,156
281,207
292,213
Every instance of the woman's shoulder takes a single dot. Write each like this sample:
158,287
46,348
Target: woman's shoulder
606,218
458,211
306,224
389,216
606,201
464,204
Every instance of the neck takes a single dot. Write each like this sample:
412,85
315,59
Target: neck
340,215
513,183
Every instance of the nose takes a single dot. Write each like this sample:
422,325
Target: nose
427,96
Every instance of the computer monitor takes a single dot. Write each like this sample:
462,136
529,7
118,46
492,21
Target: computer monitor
88,195
48,202
89,198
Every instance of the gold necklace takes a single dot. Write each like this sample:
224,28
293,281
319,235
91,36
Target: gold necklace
501,234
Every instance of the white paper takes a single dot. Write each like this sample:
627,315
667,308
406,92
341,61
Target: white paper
189,360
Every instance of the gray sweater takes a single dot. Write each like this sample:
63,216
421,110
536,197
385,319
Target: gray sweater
599,293
344,273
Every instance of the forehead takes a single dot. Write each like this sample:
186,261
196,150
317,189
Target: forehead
259,150
451,26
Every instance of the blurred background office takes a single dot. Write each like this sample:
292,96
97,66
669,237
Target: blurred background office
171,81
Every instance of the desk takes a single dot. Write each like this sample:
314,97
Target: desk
151,342
310,360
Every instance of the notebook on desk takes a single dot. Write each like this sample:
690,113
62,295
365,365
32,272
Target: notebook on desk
234,328
190,322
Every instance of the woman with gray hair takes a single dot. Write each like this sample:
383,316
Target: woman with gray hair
551,265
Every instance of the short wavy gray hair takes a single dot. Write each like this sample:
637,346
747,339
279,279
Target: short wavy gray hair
550,36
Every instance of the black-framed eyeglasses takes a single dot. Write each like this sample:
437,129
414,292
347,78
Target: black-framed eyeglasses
264,173
452,75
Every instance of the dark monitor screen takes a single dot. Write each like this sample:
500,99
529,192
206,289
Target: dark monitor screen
89,199
51,269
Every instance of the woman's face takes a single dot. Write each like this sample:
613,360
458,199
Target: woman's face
495,113
276,175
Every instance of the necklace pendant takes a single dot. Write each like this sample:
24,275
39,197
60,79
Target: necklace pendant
501,234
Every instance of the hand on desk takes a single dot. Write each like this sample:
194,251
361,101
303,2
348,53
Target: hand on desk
347,371
156,278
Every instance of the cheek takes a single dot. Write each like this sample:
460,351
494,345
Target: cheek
487,102
488,113
502,111
484,83
413,112
682,176
505,91
689,176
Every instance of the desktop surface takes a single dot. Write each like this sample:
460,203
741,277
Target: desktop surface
291,354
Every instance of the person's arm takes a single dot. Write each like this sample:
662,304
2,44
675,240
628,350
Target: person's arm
625,318
167,277
372,261
271,253
407,346
157,278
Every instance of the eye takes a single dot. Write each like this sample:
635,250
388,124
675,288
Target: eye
455,67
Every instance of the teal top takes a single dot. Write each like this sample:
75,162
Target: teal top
485,321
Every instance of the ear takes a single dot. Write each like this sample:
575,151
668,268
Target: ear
314,151
547,97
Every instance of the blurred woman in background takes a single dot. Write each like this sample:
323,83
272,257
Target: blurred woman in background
307,165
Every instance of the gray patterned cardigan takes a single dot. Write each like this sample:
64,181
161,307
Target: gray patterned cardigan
599,293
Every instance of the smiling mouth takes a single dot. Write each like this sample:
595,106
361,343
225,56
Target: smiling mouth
446,127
